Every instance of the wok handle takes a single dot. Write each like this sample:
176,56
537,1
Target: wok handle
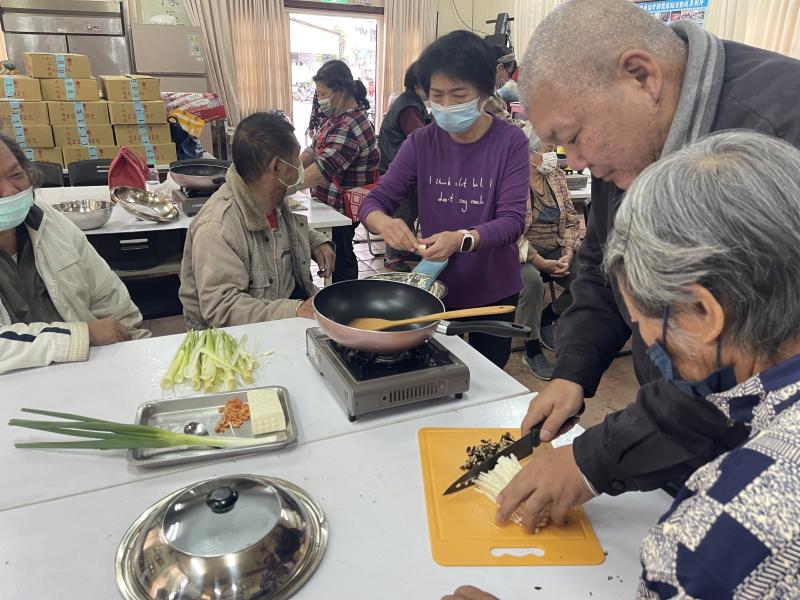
496,328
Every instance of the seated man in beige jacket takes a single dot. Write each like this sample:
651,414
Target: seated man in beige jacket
247,256
57,296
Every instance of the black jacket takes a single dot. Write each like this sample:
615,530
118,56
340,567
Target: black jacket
664,434
391,135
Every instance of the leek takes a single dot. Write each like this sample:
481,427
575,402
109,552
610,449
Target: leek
109,435
491,483
210,360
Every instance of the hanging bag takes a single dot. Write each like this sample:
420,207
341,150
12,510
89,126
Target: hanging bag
127,170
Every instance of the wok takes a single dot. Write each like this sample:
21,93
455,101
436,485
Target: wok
340,303
199,174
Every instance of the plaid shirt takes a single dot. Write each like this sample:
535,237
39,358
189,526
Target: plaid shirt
346,152
551,220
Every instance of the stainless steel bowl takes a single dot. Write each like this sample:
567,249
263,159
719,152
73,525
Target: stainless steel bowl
239,537
145,205
419,280
86,214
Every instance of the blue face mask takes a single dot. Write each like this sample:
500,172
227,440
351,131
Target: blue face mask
457,118
14,209
719,380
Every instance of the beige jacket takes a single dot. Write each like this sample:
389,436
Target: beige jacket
82,287
227,275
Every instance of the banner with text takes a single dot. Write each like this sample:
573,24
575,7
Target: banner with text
676,10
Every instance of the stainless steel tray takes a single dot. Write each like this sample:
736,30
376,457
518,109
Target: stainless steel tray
173,415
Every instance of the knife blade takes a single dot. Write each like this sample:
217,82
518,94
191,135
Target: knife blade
522,448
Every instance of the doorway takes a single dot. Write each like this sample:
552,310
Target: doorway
316,37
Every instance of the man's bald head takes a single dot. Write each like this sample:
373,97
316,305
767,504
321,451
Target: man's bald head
580,42
603,78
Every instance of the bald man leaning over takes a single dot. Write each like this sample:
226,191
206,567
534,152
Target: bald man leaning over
642,90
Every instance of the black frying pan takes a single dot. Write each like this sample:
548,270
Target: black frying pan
199,174
336,305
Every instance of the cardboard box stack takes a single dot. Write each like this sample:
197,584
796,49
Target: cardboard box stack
23,117
56,113
138,116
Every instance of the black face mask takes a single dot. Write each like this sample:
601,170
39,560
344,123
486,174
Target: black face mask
720,380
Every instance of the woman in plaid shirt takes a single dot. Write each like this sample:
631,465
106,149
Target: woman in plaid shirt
343,155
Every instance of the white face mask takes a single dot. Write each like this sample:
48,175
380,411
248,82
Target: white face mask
549,163
14,209
294,187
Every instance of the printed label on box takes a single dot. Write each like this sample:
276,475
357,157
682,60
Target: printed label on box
61,68
69,88
134,85
82,134
80,113
93,153
9,87
143,133
139,110
151,155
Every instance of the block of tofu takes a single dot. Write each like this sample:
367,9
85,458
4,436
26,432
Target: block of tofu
266,412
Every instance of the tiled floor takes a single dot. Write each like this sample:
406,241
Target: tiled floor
617,388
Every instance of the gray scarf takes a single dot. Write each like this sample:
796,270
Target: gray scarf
702,84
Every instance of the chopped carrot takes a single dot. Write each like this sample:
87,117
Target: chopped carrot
234,413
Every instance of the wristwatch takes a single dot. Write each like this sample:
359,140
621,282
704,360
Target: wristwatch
467,242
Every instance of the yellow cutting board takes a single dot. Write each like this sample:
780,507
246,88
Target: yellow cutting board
462,527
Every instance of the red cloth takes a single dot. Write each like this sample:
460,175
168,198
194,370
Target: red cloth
409,119
273,221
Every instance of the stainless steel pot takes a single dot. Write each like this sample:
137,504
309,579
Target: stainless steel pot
240,537
86,214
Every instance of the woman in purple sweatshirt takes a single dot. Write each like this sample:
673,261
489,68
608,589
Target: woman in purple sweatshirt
471,171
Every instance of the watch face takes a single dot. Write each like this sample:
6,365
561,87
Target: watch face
466,243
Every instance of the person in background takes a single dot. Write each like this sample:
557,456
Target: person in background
507,72
316,119
406,113
550,246
344,155
247,257
714,297
57,296
471,172
655,89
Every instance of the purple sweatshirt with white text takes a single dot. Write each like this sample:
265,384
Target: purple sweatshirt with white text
483,186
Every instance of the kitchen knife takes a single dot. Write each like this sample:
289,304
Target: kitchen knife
521,448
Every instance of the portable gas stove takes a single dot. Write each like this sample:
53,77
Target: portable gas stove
363,382
191,201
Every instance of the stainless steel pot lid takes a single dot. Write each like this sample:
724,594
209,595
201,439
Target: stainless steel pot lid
145,205
234,538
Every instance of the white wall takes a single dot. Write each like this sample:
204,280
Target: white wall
474,13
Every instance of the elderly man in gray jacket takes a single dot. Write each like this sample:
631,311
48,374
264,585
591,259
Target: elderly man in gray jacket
247,256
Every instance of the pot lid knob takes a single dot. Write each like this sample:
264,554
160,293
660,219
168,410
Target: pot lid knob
221,499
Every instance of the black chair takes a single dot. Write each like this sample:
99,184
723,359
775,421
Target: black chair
50,174
547,278
89,172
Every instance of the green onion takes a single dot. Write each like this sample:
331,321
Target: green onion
208,360
108,435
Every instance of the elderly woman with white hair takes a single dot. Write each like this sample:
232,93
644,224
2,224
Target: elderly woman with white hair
549,245
712,283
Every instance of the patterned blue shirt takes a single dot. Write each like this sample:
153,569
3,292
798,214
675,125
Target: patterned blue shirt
733,531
